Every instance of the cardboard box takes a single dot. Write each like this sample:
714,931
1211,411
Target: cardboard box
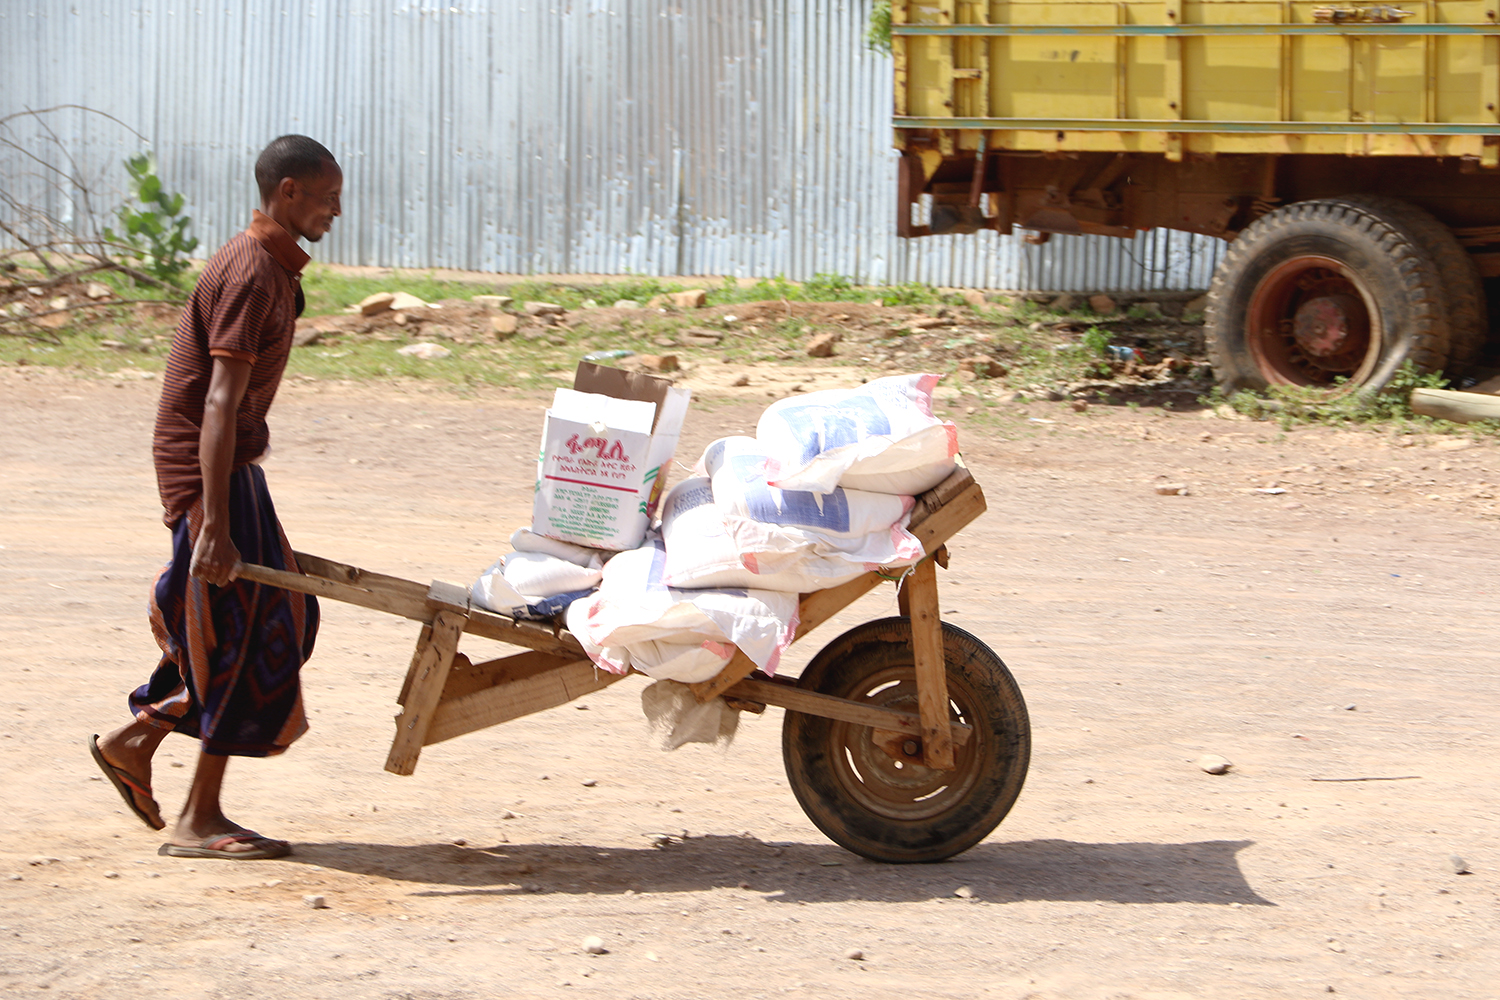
606,445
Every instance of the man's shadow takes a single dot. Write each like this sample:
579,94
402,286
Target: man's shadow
1000,872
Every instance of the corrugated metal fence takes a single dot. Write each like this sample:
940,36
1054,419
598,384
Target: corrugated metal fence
739,137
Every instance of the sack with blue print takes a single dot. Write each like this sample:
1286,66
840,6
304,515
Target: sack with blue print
880,438
729,527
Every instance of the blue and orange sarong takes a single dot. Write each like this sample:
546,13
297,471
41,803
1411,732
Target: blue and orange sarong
231,656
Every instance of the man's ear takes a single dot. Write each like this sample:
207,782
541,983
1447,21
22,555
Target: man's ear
286,190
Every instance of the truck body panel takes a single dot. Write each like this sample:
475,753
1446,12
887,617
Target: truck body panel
1204,76
1327,140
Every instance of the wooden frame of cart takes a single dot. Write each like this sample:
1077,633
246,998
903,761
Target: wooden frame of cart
905,739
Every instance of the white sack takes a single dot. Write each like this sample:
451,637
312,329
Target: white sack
737,530
537,575
491,591
677,717
687,634
881,437
497,593
526,540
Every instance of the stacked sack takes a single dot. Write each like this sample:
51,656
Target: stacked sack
881,437
822,494
637,620
540,578
729,527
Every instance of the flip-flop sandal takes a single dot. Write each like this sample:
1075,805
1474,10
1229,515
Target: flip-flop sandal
213,847
127,785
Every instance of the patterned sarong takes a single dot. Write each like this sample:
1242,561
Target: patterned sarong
231,656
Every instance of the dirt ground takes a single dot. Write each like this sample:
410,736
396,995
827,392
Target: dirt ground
1342,629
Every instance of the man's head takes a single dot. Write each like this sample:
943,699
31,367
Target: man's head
300,184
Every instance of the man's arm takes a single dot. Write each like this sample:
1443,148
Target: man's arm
215,555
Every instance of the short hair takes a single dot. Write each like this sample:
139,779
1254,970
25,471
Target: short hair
295,156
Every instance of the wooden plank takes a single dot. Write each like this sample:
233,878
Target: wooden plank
355,576
406,606
445,596
932,671
467,678
504,702
416,717
819,606
958,480
795,699
424,639
738,667
1460,407
531,635
952,518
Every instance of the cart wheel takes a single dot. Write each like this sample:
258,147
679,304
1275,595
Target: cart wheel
895,810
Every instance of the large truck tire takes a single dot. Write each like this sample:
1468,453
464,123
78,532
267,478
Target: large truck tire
1463,288
1331,292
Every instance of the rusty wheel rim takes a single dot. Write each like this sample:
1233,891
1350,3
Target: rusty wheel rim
902,790
1312,321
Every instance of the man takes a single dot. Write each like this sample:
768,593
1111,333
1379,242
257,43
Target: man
232,650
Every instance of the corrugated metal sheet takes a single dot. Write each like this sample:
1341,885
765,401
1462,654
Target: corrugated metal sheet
739,137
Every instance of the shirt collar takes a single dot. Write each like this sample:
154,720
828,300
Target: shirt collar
278,242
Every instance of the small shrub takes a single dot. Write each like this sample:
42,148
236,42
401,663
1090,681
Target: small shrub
156,233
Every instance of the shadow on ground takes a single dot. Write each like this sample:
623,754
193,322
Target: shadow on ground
1052,870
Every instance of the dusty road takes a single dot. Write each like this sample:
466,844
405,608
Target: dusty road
1343,629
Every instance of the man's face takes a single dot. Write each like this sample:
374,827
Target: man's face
314,203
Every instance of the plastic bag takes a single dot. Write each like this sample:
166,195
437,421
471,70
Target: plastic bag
881,438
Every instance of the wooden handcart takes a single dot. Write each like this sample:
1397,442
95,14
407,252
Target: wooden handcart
905,739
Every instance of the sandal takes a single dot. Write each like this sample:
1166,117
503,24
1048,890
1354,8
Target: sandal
127,785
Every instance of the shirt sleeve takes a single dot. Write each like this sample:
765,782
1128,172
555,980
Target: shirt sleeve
238,319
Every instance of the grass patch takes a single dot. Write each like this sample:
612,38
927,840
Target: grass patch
330,291
1292,406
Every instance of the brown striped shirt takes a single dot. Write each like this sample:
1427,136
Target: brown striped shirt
245,305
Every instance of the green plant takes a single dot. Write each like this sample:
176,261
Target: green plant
878,34
830,288
911,293
1096,341
156,233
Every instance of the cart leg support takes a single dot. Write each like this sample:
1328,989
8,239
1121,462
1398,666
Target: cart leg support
921,606
430,672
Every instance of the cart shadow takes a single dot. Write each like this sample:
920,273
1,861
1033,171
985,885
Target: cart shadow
789,872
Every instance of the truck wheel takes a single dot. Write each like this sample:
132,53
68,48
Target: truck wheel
1468,316
893,810
1326,293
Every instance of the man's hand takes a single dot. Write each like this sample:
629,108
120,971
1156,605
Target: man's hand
215,557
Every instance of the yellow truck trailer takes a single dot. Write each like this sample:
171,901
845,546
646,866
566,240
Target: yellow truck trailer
1351,153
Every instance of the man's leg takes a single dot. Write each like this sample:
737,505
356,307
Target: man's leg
203,818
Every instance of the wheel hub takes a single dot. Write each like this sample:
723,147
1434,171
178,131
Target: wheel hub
1324,326
1308,323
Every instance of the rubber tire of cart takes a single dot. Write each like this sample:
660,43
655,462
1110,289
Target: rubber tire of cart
1380,260
901,812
